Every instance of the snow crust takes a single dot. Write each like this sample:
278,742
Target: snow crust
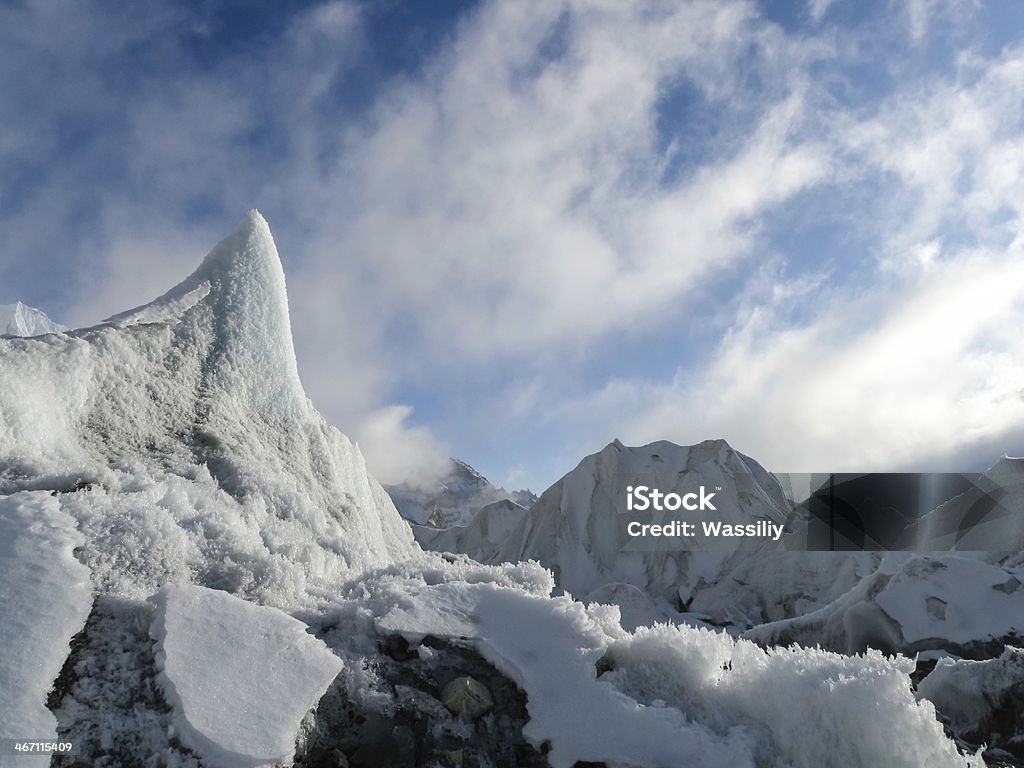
21,320
240,677
45,597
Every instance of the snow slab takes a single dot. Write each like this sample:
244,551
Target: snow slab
45,598
239,676
672,693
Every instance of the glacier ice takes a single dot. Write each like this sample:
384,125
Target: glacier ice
914,603
575,527
971,695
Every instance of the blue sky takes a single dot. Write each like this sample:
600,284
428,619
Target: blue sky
515,231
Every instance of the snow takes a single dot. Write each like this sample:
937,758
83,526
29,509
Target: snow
171,451
20,320
678,691
45,599
482,538
187,418
239,677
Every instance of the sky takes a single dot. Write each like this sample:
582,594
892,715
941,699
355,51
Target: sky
514,231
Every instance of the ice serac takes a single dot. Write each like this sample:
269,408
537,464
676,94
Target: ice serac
187,425
577,527
239,677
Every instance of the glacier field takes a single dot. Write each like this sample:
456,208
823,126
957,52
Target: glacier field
196,569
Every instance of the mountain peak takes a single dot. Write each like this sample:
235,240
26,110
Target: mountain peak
19,319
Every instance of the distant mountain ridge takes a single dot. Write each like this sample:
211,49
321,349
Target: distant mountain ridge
454,498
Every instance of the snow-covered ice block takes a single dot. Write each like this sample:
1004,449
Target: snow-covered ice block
239,676
45,598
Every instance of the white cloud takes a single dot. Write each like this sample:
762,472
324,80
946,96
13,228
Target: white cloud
818,8
921,15
505,186
558,176
910,375
396,451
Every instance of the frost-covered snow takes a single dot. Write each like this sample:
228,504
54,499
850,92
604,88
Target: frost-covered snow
239,677
675,691
45,598
171,452
21,320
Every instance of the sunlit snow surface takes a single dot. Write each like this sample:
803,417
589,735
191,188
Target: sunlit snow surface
173,450
45,598
239,676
